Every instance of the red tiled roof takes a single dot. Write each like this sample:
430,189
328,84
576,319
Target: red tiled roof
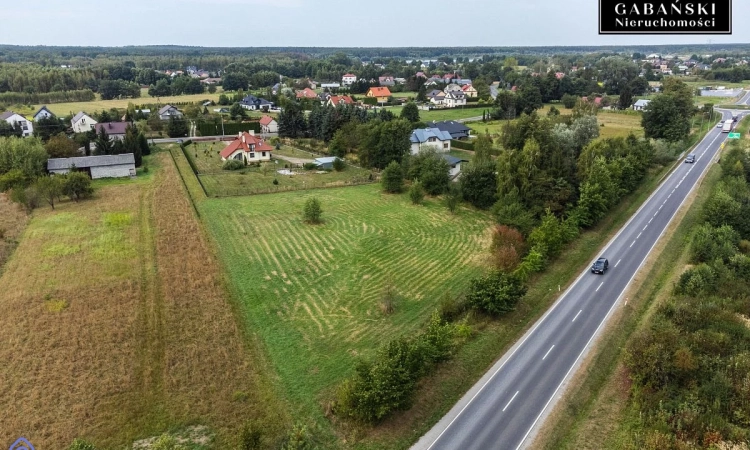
341,99
379,92
466,87
244,142
349,75
265,120
306,93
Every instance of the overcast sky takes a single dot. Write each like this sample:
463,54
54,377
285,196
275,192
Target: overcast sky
327,23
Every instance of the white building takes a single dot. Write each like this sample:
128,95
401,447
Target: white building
82,123
15,119
641,104
348,79
454,99
43,113
430,139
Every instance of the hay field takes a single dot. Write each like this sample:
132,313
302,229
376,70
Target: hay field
313,293
116,326
12,223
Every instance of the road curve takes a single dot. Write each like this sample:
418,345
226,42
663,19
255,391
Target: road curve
503,409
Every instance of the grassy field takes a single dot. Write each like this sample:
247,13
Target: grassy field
259,180
316,290
12,223
443,114
115,325
64,109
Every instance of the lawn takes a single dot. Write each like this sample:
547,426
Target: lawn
444,114
64,109
116,325
259,180
312,293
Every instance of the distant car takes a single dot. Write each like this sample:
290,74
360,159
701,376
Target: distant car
600,266
720,124
690,159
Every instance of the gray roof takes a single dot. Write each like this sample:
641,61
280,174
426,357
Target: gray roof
78,116
642,102
327,159
43,108
6,115
452,160
90,161
424,134
164,109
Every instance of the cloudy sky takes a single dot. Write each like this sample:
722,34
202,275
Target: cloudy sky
327,23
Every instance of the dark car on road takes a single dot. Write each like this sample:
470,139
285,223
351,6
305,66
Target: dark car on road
600,266
690,159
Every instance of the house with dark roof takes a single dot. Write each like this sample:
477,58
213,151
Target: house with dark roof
115,130
168,112
105,166
457,130
15,119
247,147
43,113
454,164
430,139
387,81
82,123
254,103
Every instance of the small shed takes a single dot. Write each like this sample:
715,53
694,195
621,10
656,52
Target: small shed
454,165
325,163
105,166
641,104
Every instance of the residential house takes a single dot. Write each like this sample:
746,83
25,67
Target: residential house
43,113
380,93
387,81
494,89
14,119
105,166
420,75
454,165
323,97
469,91
325,163
276,88
82,123
348,79
400,80
449,77
641,104
432,83
457,130
454,99
167,112
268,125
247,147
210,81
254,103
306,93
451,87
330,85
436,97
336,100
115,130
430,139
462,81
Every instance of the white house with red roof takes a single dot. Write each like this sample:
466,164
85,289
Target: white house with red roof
348,79
336,100
268,125
247,147
469,90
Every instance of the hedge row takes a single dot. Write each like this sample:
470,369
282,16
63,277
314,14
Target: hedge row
11,98
463,145
212,129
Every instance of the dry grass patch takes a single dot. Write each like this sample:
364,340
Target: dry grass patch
12,223
614,124
115,325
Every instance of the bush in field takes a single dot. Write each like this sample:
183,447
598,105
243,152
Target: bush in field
299,438
13,179
339,164
452,198
233,164
393,178
696,280
80,444
312,211
416,193
710,243
250,438
496,293
49,188
508,247
77,186
28,197
431,170
167,442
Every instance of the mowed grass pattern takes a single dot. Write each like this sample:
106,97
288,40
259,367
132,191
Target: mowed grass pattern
313,292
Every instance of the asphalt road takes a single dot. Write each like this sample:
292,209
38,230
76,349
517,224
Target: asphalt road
503,409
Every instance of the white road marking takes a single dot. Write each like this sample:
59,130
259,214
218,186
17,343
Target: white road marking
669,195
639,235
618,262
632,244
644,228
547,354
662,205
600,285
511,400
649,220
673,190
579,313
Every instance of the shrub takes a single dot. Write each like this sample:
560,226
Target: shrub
507,247
416,193
431,170
275,181
496,293
339,164
167,442
77,186
80,444
696,280
309,166
13,179
49,188
452,198
710,243
450,307
388,300
250,438
312,211
233,164
299,438
28,197
393,178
